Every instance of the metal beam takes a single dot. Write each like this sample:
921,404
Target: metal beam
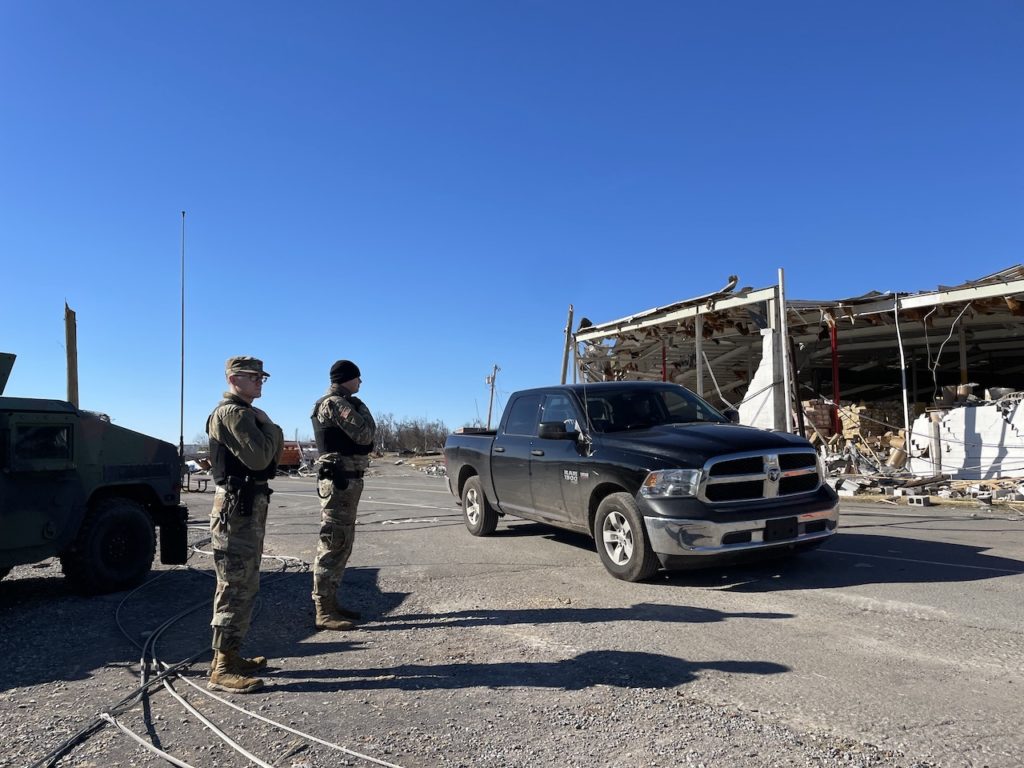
951,296
623,325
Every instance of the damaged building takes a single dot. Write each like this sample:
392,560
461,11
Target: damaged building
923,384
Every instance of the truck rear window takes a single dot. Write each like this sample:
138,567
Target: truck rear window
524,416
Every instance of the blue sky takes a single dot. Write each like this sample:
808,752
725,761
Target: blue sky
425,187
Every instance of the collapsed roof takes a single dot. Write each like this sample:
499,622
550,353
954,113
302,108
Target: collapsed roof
859,348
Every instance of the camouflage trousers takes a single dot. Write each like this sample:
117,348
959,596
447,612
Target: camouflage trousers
337,534
237,550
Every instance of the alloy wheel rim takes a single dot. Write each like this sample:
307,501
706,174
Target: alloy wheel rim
472,507
618,538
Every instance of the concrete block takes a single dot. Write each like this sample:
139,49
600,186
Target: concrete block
919,501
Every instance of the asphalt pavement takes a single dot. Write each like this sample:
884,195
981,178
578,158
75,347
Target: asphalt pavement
898,643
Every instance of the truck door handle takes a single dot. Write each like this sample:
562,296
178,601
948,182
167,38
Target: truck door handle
498,449
536,452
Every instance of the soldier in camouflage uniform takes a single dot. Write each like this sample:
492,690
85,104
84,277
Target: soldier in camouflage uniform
344,431
244,446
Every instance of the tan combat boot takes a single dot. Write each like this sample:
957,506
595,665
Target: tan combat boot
248,666
225,675
328,617
242,664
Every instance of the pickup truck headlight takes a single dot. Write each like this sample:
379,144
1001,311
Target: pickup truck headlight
666,483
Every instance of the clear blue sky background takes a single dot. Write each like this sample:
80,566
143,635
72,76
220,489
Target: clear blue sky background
424,187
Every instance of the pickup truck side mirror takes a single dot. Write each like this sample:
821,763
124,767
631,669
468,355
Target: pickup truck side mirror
732,415
555,430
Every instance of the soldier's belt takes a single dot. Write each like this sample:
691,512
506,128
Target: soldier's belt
339,474
333,469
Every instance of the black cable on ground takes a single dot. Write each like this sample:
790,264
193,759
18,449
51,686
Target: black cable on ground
50,758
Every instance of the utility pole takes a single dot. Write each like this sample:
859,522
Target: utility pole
490,382
181,403
71,343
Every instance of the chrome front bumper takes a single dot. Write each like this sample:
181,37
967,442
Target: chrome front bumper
680,537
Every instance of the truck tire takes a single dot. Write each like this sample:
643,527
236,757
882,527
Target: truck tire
622,539
113,550
481,518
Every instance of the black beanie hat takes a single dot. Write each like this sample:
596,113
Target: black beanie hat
344,370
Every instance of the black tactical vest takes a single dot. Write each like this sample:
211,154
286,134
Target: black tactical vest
225,464
332,439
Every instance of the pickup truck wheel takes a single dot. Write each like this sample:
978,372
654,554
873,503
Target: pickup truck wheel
622,539
113,550
481,517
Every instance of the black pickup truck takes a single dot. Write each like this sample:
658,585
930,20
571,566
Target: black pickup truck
653,472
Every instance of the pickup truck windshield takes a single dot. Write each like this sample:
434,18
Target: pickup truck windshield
642,409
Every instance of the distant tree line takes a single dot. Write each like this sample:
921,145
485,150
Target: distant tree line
393,435
416,435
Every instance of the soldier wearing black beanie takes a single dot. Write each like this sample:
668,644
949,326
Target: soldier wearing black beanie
344,370
344,431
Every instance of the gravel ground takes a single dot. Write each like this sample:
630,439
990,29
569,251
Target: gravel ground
443,674
426,695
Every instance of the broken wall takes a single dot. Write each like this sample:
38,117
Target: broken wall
763,406
976,442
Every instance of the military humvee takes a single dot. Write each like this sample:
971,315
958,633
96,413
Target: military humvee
74,485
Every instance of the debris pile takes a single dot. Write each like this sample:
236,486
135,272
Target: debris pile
965,448
868,443
759,352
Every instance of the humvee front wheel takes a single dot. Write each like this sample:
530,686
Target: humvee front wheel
113,550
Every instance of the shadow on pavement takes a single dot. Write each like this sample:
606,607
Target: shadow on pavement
286,619
515,528
625,669
498,617
851,559
847,559
51,634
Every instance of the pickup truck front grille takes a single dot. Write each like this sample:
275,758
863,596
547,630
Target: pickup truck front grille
760,475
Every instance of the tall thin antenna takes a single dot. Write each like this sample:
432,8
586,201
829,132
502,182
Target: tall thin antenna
568,341
181,405
490,380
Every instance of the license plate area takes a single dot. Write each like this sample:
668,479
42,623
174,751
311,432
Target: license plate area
780,530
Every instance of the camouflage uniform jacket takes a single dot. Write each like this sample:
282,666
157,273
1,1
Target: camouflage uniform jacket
233,423
343,410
